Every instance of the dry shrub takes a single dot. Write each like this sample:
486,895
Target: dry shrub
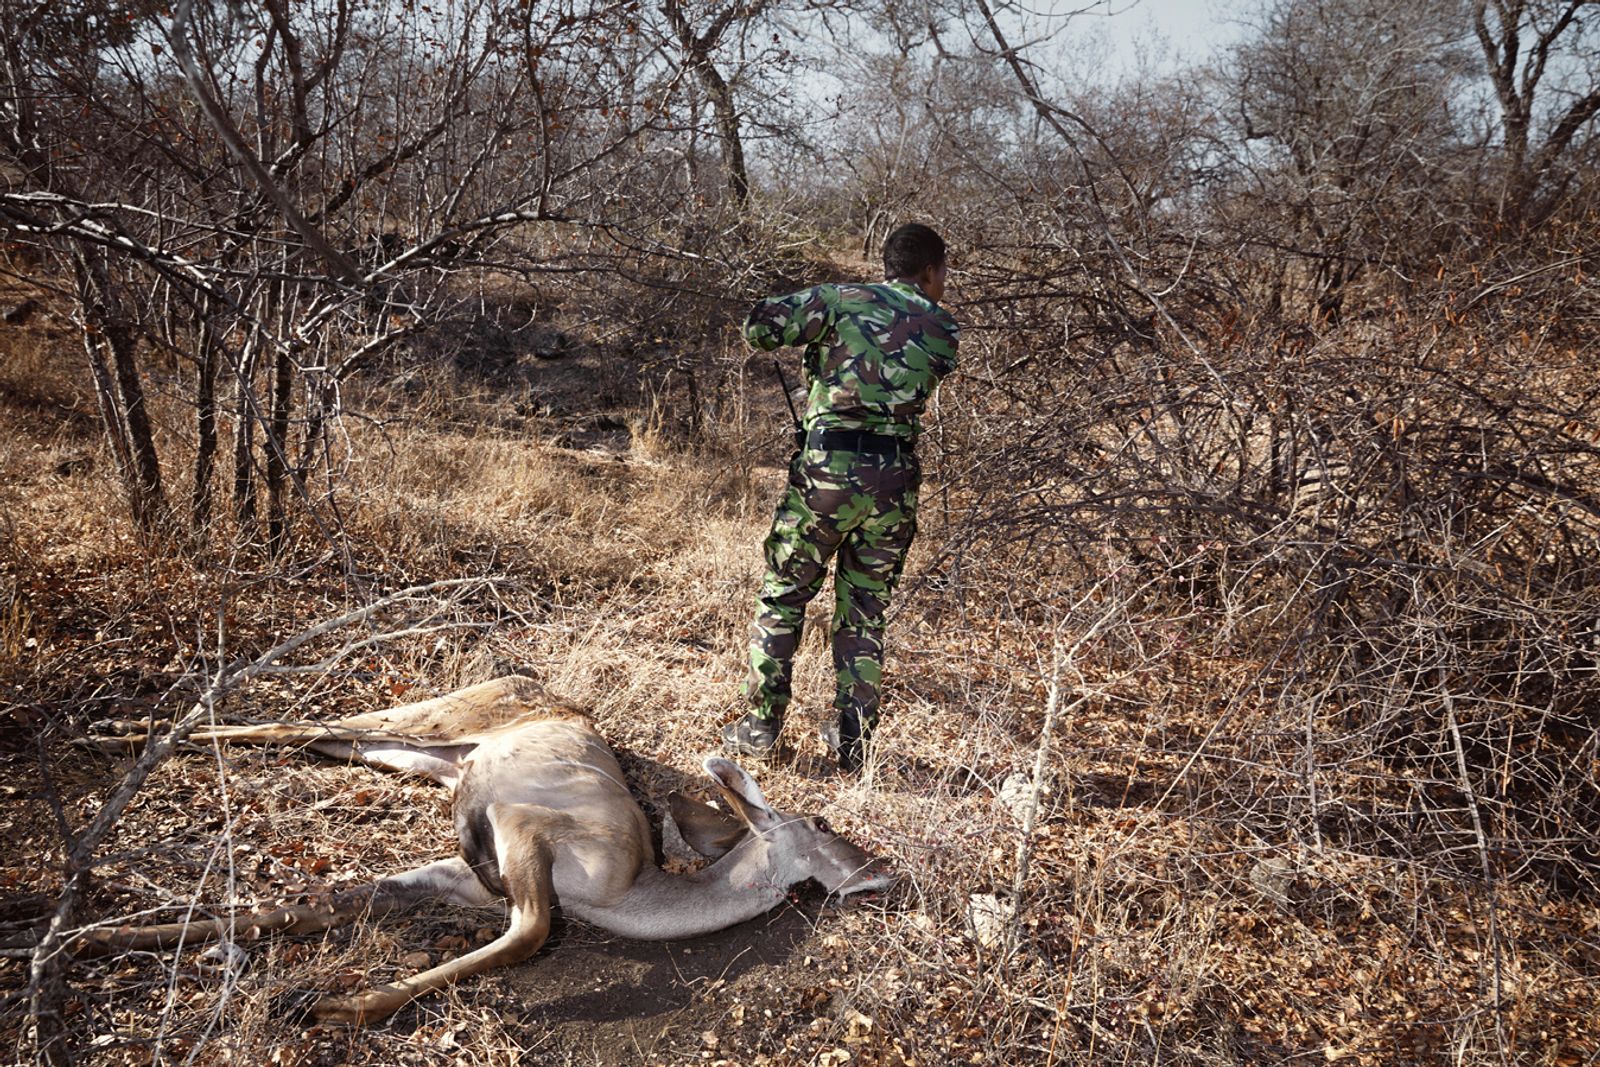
1394,519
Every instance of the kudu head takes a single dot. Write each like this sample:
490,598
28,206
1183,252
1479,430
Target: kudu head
796,846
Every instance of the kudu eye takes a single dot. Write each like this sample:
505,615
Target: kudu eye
822,827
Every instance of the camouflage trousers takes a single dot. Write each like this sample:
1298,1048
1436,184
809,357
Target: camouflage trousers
862,509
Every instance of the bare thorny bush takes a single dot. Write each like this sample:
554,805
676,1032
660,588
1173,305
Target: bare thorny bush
1335,584
1391,520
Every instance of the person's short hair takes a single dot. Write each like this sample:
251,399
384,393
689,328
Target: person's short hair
910,250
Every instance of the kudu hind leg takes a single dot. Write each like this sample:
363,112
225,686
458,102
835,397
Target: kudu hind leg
119,735
464,712
526,859
435,723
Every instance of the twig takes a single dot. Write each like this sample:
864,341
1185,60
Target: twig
1488,870
328,664
1046,730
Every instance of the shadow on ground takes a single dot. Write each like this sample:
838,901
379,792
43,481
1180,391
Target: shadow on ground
595,999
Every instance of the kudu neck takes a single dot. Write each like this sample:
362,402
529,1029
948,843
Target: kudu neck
662,906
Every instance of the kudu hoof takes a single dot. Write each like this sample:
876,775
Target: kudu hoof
295,1006
116,733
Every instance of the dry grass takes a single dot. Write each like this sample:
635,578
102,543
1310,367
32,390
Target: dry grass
1180,904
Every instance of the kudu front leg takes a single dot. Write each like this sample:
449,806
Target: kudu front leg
525,860
451,880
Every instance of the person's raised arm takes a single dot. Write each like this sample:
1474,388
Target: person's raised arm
797,319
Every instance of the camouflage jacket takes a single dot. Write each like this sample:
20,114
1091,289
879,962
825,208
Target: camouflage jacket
873,353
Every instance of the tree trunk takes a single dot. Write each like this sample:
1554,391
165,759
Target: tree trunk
697,51
205,407
319,401
277,450
1517,67
105,394
727,117
149,499
244,432
120,392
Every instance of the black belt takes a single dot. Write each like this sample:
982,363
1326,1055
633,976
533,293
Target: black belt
872,444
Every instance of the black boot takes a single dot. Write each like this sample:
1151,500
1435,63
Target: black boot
847,739
751,736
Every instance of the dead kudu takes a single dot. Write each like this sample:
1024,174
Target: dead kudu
542,817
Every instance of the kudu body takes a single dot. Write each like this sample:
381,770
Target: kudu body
542,816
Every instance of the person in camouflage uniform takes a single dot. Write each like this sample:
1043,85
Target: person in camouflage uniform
873,356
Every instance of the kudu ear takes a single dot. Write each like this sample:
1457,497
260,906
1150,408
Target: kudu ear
742,794
710,832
